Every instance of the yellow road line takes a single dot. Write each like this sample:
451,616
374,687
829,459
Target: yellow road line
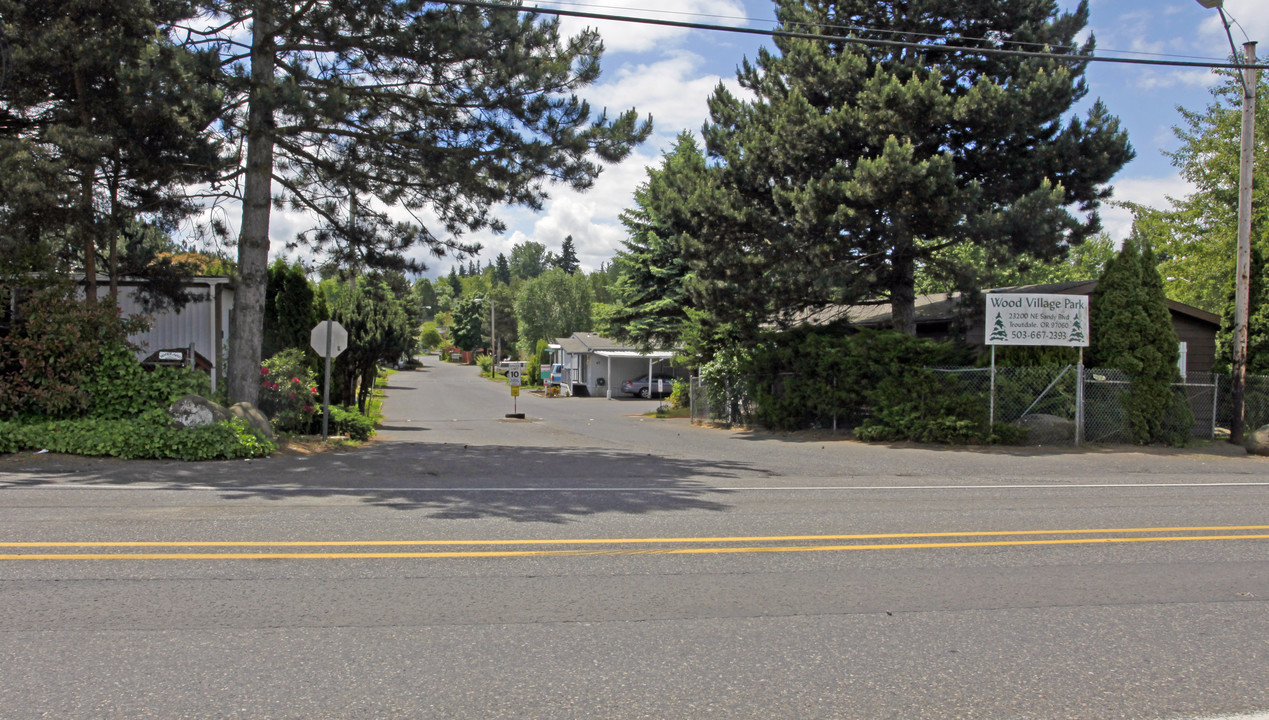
585,553
611,541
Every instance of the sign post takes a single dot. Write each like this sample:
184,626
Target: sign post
328,340
513,379
1038,319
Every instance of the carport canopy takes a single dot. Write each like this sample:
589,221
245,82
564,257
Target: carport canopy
651,356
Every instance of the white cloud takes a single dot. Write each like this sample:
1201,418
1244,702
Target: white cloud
671,90
1250,16
1197,78
631,37
1149,191
674,92
592,218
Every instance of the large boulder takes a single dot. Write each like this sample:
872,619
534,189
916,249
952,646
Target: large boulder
1047,429
256,419
196,410
1257,443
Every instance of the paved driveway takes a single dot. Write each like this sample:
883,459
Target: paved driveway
445,421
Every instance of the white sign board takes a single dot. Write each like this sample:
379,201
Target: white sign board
338,339
513,376
1025,319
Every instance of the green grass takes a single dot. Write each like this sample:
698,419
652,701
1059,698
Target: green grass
374,406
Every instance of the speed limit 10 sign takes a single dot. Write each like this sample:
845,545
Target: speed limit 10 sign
513,377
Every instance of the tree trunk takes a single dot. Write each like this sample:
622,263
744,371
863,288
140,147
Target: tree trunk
87,238
368,377
88,172
902,288
253,241
113,230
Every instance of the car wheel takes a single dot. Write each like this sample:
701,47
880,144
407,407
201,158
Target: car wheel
644,393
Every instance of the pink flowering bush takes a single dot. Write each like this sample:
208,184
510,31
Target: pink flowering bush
288,392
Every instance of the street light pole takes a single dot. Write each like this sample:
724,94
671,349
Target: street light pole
1248,78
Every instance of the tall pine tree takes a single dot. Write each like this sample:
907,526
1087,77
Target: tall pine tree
567,261
855,163
419,104
103,120
652,290
502,270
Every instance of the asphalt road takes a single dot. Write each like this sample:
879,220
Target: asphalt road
588,562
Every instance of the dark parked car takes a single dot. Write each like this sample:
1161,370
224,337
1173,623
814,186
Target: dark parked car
639,386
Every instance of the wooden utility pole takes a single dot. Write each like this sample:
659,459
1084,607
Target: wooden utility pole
1242,278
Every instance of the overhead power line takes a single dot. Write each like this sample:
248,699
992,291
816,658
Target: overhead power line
854,39
829,25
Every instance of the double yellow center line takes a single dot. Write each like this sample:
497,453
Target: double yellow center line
280,550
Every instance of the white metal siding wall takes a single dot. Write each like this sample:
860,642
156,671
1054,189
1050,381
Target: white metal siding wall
193,324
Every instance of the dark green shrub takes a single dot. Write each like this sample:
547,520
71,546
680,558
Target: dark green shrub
916,404
346,422
64,358
148,436
55,344
118,387
806,378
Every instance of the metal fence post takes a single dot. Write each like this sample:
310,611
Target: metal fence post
1079,400
991,418
1216,394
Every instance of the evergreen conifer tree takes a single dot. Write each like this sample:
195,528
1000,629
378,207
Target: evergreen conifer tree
502,270
567,261
456,109
855,163
290,310
104,119
1131,330
652,289
379,331
455,284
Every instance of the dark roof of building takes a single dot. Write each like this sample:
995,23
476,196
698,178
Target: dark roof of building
944,307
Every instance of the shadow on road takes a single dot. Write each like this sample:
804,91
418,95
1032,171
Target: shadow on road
451,482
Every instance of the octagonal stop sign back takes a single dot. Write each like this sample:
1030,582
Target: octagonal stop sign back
338,338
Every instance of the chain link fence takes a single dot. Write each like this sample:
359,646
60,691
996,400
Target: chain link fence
726,406
1046,400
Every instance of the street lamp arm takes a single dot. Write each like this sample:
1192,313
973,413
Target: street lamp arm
1219,6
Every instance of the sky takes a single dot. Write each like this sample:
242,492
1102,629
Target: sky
669,73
